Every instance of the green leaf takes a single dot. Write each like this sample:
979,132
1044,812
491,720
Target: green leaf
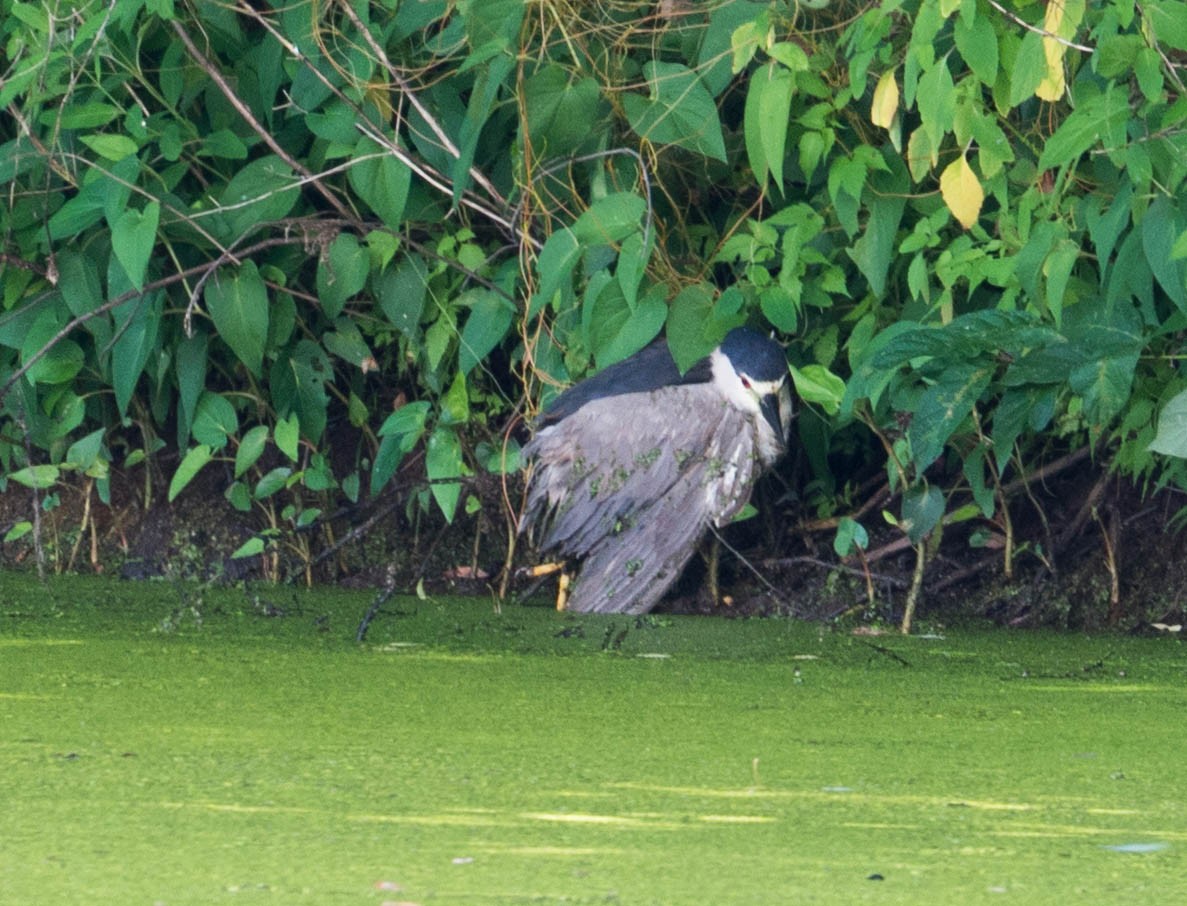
84,452
346,341
111,147
78,279
492,78
942,408
251,447
238,305
190,367
715,56
192,463
1105,385
137,324
382,180
1058,270
215,421
610,219
350,486
977,43
1110,335
319,476
61,362
1168,22
401,291
249,548
133,236
873,252
308,517
689,325
1030,66
224,144
40,476
400,433
1100,118
491,25
766,120
298,384
488,322
455,402
341,273
790,55
81,116
238,496
679,111
779,308
288,436
850,534
816,384
501,458
443,461
274,480
1106,217
936,101
18,531
1161,227
554,265
923,507
629,331
259,192
1171,438
561,110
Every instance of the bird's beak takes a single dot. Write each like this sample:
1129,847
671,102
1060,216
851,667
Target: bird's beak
772,407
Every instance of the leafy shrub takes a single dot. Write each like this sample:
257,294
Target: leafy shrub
259,232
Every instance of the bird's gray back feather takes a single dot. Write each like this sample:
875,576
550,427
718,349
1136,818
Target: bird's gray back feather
630,483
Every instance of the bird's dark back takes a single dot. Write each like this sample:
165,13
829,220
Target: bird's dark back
648,369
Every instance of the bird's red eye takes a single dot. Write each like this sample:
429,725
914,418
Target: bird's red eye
745,381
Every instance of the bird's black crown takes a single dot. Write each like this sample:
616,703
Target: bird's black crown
759,357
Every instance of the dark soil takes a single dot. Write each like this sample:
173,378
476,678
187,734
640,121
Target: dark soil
1115,563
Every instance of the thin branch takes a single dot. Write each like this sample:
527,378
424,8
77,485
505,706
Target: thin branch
375,133
248,117
833,566
1038,30
475,174
439,182
120,300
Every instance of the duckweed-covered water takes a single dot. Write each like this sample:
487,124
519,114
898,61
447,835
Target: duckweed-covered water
166,745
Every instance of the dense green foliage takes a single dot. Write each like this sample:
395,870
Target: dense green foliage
251,233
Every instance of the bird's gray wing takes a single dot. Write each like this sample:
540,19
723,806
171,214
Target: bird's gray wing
630,483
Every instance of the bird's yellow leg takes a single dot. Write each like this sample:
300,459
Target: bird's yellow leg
562,591
543,569
562,586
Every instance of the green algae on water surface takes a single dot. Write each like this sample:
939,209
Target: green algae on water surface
173,745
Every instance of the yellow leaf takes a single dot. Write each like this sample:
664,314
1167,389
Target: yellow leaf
1061,19
1052,87
885,104
962,191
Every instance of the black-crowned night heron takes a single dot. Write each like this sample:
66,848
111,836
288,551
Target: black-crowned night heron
631,466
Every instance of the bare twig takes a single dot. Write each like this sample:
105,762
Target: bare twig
916,589
406,92
787,562
107,306
755,571
245,112
1039,30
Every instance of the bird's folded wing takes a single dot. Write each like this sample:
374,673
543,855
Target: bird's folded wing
630,483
